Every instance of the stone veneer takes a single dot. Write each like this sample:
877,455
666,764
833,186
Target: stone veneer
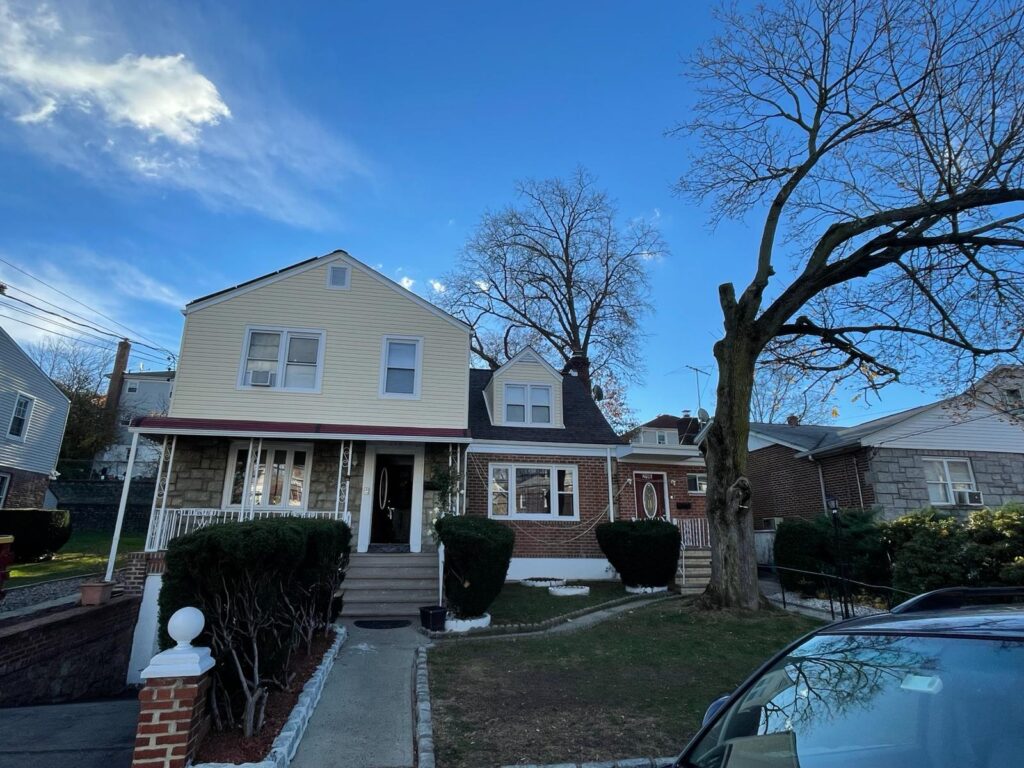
898,480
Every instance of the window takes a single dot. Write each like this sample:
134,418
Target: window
1013,400
533,492
283,359
337,277
18,428
400,367
945,477
662,438
697,483
133,386
5,484
279,480
126,419
528,404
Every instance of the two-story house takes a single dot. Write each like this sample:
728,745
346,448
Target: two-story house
33,413
142,393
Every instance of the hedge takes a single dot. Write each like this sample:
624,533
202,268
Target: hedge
644,552
477,553
37,532
266,588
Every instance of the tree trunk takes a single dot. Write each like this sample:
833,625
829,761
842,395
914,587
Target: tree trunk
733,559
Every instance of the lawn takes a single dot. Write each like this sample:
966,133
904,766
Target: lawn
528,605
84,553
635,686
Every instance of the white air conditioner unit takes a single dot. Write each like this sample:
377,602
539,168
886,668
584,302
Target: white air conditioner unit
261,378
969,498
771,523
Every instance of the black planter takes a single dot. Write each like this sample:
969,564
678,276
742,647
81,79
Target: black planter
432,617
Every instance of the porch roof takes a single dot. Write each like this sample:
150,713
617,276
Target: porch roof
168,425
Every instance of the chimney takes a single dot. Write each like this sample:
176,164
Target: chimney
793,420
686,413
124,347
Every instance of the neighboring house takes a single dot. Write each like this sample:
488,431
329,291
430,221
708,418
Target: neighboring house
959,454
143,393
33,414
666,430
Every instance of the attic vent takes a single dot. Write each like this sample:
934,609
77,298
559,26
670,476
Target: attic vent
337,276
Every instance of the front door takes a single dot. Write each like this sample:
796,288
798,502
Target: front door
649,488
392,502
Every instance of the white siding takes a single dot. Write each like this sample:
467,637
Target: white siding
966,428
525,372
355,322
649,436
39,451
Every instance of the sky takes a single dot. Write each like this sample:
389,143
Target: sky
151,153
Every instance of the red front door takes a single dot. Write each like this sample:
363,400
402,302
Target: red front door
649,490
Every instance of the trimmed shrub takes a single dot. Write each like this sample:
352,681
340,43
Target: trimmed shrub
803,545
37,532
266,588
477,553
644,552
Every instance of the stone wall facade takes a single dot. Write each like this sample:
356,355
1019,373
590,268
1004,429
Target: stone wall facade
78,653
26,490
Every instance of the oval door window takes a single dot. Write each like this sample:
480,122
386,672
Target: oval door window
650,500
382,488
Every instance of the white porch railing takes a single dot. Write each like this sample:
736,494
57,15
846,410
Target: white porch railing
168,524
695,531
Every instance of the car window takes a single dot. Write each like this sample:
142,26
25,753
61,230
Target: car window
874,700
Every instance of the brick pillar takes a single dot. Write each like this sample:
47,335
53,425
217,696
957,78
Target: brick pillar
140,565
173,716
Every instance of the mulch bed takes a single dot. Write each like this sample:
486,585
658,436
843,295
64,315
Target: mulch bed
232,747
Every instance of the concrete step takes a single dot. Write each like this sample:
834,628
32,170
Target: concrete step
401,558
361,583
697,556
390,595
698,569
380,610
391,572
692,590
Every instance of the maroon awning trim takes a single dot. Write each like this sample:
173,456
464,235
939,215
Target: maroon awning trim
232,425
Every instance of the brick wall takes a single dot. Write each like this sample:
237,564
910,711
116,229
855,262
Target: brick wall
27,490
173,720
77,653
681,502
140,565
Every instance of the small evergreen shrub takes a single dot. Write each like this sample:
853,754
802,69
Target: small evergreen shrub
37,533
477,553
644,552
802,545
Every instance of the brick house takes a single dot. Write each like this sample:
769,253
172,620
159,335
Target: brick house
33,414
960,453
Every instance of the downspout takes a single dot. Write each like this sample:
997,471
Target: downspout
463,480
821,481
337,485
856,474
611,493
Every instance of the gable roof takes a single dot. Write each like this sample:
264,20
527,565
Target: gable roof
584,422
537,358
801,437
663,421
307,264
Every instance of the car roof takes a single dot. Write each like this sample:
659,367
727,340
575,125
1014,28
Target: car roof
995,621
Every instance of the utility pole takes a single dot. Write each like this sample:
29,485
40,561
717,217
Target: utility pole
124,348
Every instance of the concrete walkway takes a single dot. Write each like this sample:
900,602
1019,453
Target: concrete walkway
364,718
98,734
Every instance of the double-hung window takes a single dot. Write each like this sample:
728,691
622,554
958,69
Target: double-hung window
279,479
528,404
5,484
697,483
949,481
533,492
18,427
662,438
282,358
401,364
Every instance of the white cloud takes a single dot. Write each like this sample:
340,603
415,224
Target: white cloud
407,282
438,286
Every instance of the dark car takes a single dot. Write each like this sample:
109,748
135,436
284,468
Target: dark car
936,683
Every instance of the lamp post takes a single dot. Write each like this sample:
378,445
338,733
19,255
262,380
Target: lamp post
833,508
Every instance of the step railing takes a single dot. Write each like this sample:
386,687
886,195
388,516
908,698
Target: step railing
169,524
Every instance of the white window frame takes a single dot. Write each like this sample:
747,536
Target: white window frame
348,276
29,408
529,386
131,384
698,475
950,493
282,357
661,437
1015,403
5,487
417,376
269,447
553,470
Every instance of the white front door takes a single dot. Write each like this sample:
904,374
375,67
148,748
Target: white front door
378,484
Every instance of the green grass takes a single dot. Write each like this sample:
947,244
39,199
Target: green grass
84,553
636,685
528,605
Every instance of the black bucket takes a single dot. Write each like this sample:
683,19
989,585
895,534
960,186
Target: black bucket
432,617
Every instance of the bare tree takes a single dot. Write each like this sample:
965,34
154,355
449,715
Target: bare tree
780,393
561,271
880,144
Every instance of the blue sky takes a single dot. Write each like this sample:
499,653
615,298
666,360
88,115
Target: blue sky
153,153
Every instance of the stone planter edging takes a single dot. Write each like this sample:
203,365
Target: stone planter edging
637,762
424,720
287,741
647,590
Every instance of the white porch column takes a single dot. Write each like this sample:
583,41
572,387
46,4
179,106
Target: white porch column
154,527
245,480
121,507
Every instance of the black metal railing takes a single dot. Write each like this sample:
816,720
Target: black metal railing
842,592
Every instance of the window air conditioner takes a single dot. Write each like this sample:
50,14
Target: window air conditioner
969,498
261,378
772,523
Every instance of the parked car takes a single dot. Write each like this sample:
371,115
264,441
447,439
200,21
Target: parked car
935,683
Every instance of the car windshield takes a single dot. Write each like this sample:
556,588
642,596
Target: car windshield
883,701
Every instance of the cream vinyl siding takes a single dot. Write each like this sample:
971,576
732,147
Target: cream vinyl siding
524,372
972,428
355,322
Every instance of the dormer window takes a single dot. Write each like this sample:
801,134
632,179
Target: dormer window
1013,400
662,438
528,404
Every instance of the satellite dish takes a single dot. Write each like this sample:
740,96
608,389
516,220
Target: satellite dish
702,416
598,393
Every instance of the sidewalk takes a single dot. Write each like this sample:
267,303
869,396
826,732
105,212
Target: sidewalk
365,716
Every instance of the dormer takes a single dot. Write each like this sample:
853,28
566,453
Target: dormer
526,392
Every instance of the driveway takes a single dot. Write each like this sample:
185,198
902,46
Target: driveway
97,734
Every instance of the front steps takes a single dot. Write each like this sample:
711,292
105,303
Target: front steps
389,585
694,572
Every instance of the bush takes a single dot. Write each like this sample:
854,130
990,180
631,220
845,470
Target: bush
37,532
644,552
266,588
803,545
477,553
